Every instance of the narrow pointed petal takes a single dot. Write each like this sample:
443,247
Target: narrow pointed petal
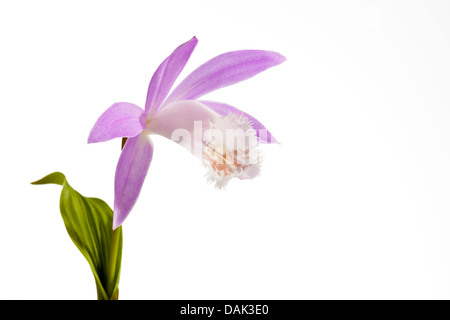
122,119
130,175
224,70
166,74
263,134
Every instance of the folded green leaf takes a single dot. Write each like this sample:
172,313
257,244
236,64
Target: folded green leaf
89,224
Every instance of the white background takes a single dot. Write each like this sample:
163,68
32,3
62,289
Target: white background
354,203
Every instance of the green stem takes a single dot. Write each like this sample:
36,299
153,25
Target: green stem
112,265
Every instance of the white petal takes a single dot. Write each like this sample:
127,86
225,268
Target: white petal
183,122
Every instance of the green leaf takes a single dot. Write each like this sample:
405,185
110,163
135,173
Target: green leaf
89,224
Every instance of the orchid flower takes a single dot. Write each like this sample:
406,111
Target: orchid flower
223,137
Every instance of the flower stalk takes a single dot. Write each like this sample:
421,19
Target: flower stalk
112,288
111,282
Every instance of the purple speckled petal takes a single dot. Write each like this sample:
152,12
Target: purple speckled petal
264,136
130,175
166,74
122,119
224,70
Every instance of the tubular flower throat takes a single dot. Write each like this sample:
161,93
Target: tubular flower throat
223,137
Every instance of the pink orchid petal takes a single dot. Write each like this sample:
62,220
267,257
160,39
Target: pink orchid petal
224,70
264,136
166,74
130,175
122,119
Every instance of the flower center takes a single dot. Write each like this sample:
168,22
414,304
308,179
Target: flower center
230,150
